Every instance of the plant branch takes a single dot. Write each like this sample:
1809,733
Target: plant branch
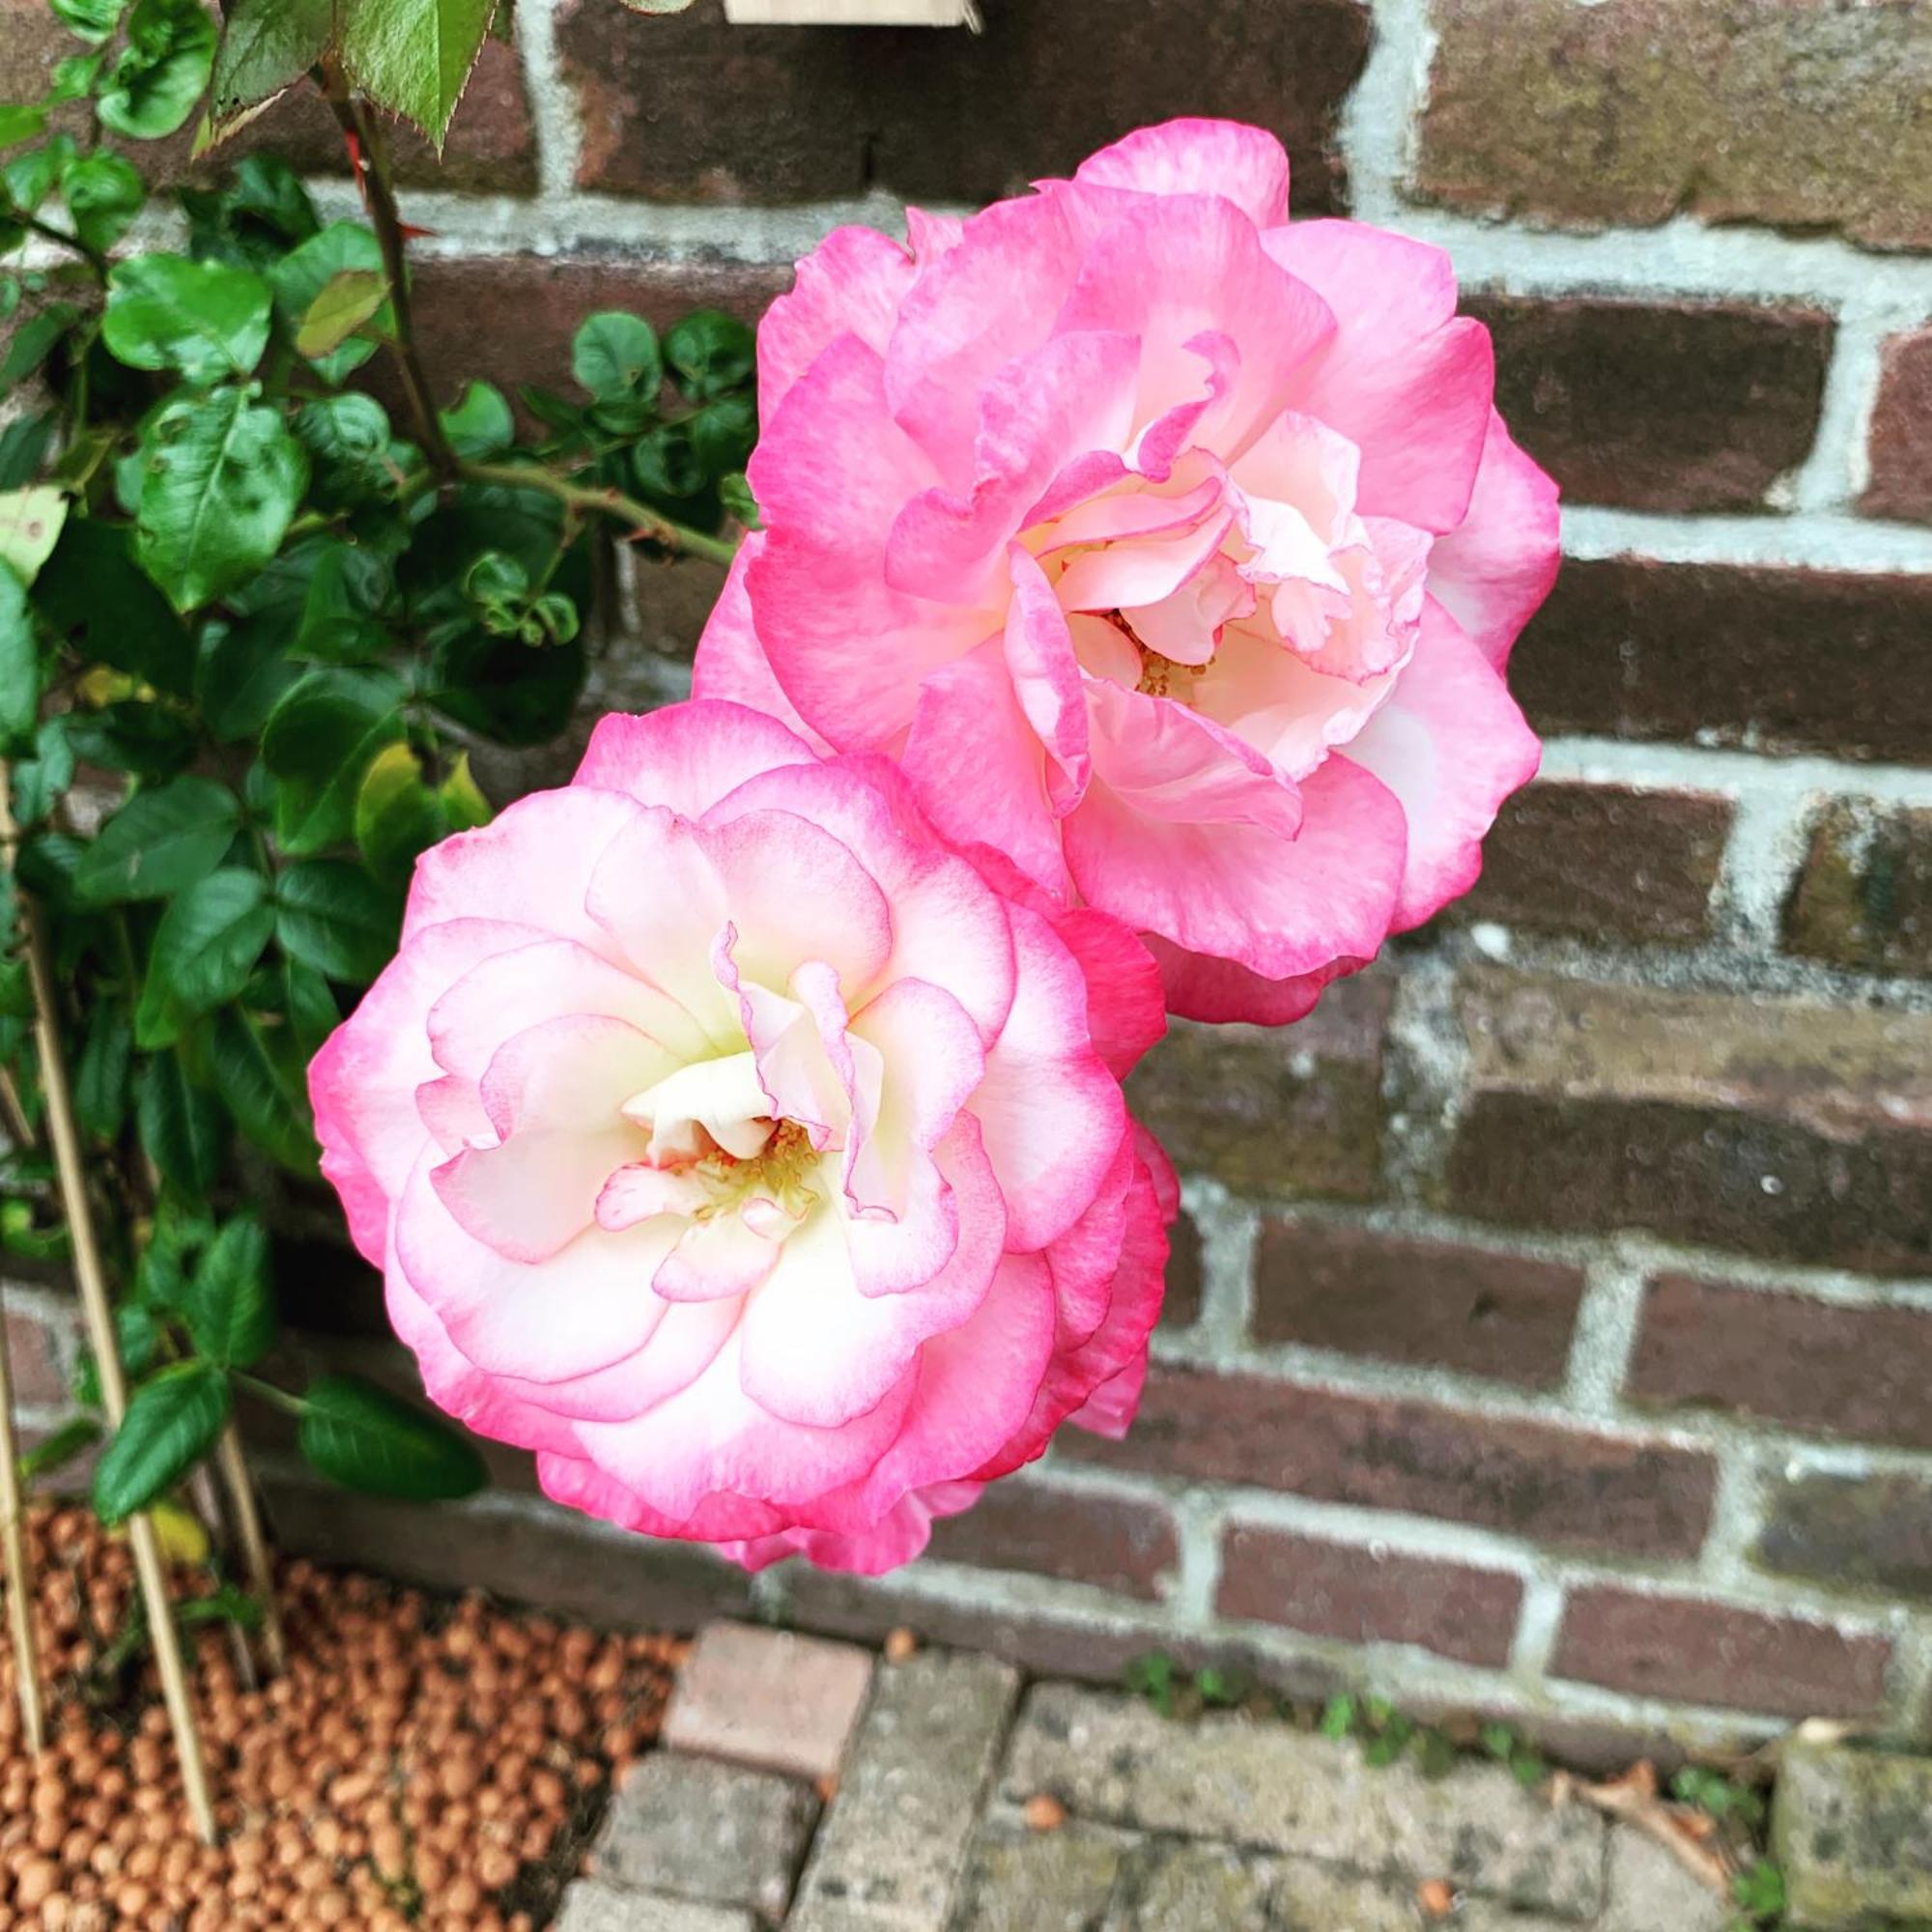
593,499
369,151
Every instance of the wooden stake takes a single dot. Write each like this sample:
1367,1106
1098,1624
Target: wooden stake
19,1565
247,1520
91,1278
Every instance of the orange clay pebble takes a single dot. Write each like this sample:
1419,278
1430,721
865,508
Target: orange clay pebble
1043,1812
1437,1897
900,1645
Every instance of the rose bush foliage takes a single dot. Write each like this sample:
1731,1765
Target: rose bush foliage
753,1157
1173,547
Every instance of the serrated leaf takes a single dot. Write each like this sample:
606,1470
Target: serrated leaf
171,1423
241,673
614,354
182,1128
34,341
159,842
30,525
299,277
54,1452
414,57
92,592
348,440
207,945
267,47
261,1070
100,1073
20,658
397,816
333,916
319,742
23,447
462,797
222,484
162,70
368,1439
203,318
348,298
227,1301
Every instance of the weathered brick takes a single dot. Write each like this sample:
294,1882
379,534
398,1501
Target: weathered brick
1864,899
1277,1110
1603,863
1530,1479
1869,1532
1696,1652
948,117
1408,1300
33,1357
1279,1789
1852,1831
1180,1305
1816,1365
1900,484
768,1698
1363,1596
1685,405
1119,1544
1019,1880
1775,659
1777,1128
1799,113
1170,1883
592,1906
1650,1889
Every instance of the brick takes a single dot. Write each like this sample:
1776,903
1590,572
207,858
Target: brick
944,116
1362,1596
768,1698
1683,407
1797,113
1019,1880
675,596
1691,1651
591,1906
1650,1889
1420,1301
1603,863
1761,656
1852,1832
1871,1533
1819,1366
528,1553
1278,1789
1900,483
714,1833
1775,1127
33,1358
1530,1479
1277,1110
1108,1541
1864,899
893,1845
1181,1306
1165,1885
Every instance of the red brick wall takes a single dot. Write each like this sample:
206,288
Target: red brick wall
1553,1330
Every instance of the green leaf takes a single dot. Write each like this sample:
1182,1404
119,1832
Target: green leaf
710,351
207,945
23,447
171,1423
480,426
224,482
39,781
227,1302
614,355
723,435
300,279
183,1129
100,1073
162,70
414,56
261,1072
74,78
366,1438
91,21
348,440
311,1009
94,592
397,816
168,312
20,658
159,842
32,177
506,689
347,299
54,1452
103,193
267,47
21,122
462,798
734,492
242,671
318,741
30,525
332,916
341,621
34,341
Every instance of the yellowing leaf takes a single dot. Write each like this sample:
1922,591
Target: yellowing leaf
180,1533
348,298
30,525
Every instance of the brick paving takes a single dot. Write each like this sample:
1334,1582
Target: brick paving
804,1786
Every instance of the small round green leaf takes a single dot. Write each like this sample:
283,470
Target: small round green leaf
202,318
171,1423
162,70
366,1438
710,351
614,355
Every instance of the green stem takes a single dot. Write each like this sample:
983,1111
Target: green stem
592,499
275,1397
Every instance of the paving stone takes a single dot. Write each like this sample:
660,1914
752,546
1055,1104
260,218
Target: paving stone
1650,1889
1852,1830
1019,1880
769,1698
592,1906
706,1832
1176,1887
1311,1897
1275,1788
895,1844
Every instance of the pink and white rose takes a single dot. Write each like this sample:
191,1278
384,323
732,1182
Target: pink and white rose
733,1144
1175,549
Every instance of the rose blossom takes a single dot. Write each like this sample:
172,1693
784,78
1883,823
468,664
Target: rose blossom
1175,550
740,1148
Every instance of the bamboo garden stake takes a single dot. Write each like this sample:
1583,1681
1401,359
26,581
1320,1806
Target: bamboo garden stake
20,1566
92,1279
